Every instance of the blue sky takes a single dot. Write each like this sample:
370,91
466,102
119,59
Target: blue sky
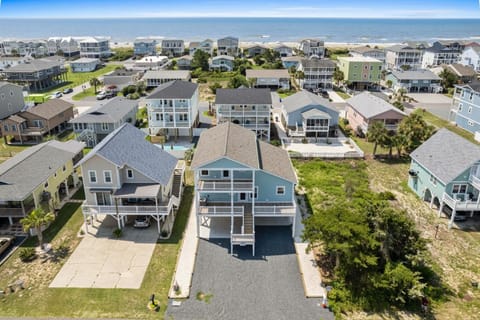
244,8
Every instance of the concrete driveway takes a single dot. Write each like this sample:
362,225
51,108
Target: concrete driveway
438,104
267,286
102,261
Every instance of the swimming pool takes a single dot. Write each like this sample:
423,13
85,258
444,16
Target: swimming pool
174,147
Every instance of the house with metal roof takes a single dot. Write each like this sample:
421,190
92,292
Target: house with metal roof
403,56
156,78
173,109
365,109
94,125
465,111
241,182
30,126
421,80
125,176
40,176
449,181
305,114
318,73
269,78
248,107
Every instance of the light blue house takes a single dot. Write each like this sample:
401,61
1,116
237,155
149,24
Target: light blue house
447,179
241,182
466,107
305,114
145,47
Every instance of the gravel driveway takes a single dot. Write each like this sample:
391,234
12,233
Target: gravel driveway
267,286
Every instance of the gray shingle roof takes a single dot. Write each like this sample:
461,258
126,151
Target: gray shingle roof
241,145
474,85
304,98
365,49
127,146
268,73
315,113
50,109
174,90
400,47
445,164
167,74
317,63
243,96
370,106
422,74
25,172
34,65
112,111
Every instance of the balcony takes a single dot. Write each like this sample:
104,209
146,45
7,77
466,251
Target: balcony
230,113
268,210
474,180
163,210
461,202
225,185
220,211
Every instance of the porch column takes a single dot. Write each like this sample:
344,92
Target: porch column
452,218
431,201
66,187
441,209
10,220
85,223
197,200
158,223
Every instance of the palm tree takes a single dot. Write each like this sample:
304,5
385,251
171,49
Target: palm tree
376,134
36,220
95,82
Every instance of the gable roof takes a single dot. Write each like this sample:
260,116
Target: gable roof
315,113
267,73
317,63
421,74
167,74
446,165
25,172
370,106
241,145
365,49
304,98
243,96
126,146
50,109
176,89
474,85
112,111
461,70
401,47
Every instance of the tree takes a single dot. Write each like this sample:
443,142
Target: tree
258,60
389,83
377,133
238,81
200,60
448,79
405,67
37,219
338,76
95,82
399,105
415,131
214,87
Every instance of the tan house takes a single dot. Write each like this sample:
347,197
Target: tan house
31,125
364,109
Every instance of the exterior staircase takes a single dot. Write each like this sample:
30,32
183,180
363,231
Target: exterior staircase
177,185
248,223
247,235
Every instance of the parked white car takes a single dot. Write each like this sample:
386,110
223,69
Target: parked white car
142,222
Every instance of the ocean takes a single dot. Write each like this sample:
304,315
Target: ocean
248,29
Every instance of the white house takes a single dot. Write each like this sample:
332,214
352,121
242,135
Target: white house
95,47
84,65
471,57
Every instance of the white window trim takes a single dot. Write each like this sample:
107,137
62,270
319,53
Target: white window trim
255,193
105,177
128,177
226,176
280,194
460,185
204,175
90,176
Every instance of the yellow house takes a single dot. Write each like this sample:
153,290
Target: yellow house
40,176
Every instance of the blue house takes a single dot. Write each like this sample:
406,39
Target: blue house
466,107
448,179
241,182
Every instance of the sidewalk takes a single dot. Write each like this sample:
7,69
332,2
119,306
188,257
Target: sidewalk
312,282
186,260
335,97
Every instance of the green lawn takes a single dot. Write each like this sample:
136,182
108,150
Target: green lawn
343,95
86,93
440,123
40,301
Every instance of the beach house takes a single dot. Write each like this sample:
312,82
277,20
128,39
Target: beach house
156,78
465,109
125,177
31,125
95,47
24,47
241,182
364,109
99,121
144,47
448,181
38,177
255,50
173,109
184,62
11,99
222,63
441,53
312,48
305,114
361,72
205,46
84,65
367,51
422,80
317,73
68,46
269,78
283,50
248,107
173,48
403,57
228,46
37,74
471,57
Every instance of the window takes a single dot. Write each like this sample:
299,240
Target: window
470,123
433,180
129,174
107,176
64,168
46,184
233,107
157,116
14,127
204,173
459,188
280,190
470,109
92,176
5,127
226,173
255,193
75,126
460,107
105,126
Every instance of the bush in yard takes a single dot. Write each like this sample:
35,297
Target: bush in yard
386,195
27,254
214,87
117,233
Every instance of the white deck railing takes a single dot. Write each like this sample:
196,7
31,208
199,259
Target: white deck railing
474,180
205,185
239,238
220,210
460,204
275,210
131,210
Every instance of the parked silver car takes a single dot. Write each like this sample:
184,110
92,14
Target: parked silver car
142,222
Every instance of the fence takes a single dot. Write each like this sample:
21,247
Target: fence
355,153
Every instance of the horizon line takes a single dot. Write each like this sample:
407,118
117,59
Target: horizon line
246,17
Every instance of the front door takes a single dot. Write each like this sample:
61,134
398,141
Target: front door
242,196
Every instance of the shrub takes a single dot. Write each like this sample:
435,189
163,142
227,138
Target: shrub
304,140
386,195
276,143
117,233
27,254
202,80
214,87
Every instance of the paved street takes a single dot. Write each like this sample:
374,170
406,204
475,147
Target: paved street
438,104
267,286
